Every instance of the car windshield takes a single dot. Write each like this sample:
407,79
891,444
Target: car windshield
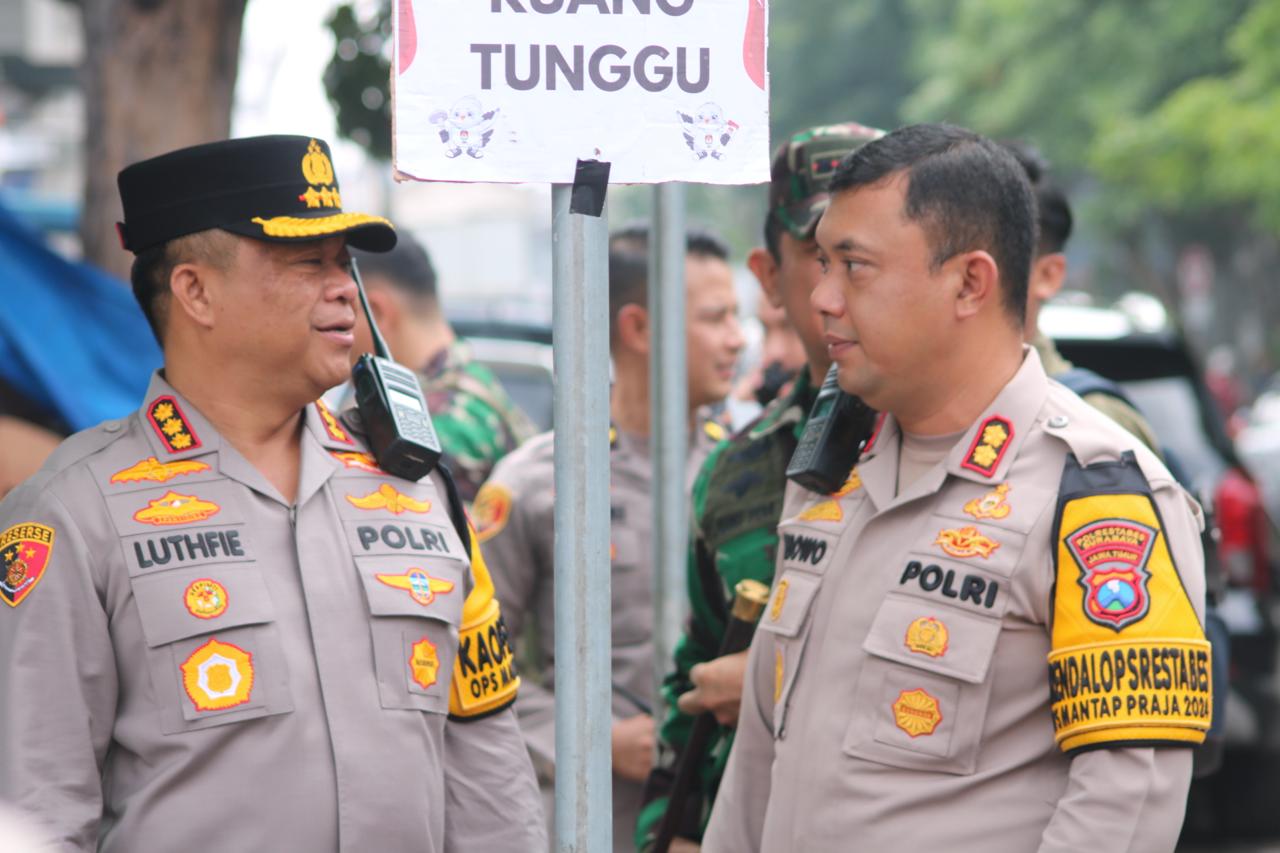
1169,404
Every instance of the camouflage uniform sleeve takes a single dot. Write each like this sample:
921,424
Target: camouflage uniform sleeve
699,642
58,681
472,442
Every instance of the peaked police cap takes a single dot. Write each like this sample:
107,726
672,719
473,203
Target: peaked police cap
274,188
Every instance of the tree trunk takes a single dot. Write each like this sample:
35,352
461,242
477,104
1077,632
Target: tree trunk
158,75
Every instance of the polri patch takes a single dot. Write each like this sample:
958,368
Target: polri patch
928,636
491,510
25,549
154,470
989,446
1112,554
173,427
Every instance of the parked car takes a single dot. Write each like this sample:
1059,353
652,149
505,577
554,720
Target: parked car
1158,372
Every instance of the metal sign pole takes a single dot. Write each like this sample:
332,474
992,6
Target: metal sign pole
580,326
669,419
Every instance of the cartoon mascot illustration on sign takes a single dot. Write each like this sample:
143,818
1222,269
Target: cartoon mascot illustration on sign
706,131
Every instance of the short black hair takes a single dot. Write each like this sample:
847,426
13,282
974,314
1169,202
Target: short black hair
965,191
1053,211
153,267
407,267
773,229
629,264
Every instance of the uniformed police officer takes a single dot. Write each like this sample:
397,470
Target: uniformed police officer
226,627
514,511
738,494
990,637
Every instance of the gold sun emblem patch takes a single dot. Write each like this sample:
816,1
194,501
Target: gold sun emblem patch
386,497
424,663
916,712
965,542
218,676
205,598
173,508
927,636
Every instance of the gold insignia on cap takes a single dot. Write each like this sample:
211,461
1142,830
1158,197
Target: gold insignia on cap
928,636
318,171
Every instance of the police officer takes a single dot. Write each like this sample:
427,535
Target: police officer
514,511
226,627
737,498
474,418
990,637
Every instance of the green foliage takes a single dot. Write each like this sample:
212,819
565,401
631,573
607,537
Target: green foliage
358,78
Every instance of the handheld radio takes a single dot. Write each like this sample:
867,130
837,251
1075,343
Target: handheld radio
839,427
392,407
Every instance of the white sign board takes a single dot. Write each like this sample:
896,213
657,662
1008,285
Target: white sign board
519,90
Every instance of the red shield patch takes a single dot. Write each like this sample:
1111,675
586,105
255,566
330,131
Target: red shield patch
1112,554
24,554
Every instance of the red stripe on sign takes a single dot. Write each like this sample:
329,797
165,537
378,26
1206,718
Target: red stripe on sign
753,42
408,35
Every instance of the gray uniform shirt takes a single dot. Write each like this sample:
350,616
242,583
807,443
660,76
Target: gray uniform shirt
516,522
898,688
188,662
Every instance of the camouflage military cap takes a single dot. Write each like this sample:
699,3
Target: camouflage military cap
802,170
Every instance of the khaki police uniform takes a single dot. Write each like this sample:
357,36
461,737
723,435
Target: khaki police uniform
1000,657
192,663
515,521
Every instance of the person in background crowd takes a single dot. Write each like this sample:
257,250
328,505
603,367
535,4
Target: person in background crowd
515,511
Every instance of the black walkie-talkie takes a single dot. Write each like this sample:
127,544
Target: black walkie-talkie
839,427
392,407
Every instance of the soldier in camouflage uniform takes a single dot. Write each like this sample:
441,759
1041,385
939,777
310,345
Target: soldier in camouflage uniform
737,498
476,421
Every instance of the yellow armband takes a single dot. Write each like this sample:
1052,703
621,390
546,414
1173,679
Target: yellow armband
1129,663
484,675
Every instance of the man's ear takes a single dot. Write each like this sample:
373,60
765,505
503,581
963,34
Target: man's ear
194,293
765,268
633,328
1048,273
979,282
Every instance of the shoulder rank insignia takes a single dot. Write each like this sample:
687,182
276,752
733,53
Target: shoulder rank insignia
989,446
991,505
332,428
386,497
965,542
171,425
25,550
714,431
156,471
218,676
421,587
1129,663
173,508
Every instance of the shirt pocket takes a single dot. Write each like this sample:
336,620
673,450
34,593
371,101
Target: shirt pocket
414,613
786,619
921,698
213,649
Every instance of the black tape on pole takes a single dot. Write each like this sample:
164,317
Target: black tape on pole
590,183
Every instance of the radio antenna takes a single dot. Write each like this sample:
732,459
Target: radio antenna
380,348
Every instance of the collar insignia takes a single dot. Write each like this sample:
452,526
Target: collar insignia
171,425
332,428
829,510
356,459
